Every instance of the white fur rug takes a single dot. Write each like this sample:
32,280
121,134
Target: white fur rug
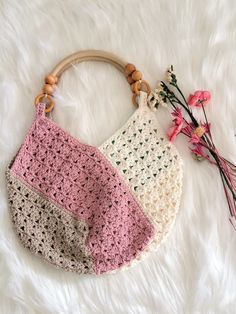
194,271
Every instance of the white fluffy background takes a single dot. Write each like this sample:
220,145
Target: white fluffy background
194,271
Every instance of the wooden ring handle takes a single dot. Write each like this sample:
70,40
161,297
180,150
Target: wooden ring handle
141,85
40,97
86,55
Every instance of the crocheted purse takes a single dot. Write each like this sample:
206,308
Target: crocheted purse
94,209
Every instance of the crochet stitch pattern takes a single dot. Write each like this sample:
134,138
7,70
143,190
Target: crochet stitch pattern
81,180
94,210
151,166
35,219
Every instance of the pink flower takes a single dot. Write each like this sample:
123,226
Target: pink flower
188,129
179,122
195,133
207,127
177,113
199,151
199,98
173,132
194,139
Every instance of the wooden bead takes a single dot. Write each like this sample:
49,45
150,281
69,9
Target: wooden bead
132,87
136,87
129,68
136,75
130,79
50,79
48,89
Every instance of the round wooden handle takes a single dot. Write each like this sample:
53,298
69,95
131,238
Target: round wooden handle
88,55
129,70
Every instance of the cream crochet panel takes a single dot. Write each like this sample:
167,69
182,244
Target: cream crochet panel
151,166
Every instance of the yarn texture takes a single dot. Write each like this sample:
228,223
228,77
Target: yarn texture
151,166
89,209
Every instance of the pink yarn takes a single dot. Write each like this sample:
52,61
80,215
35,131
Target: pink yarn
79,178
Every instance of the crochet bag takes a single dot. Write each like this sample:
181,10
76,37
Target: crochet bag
94,209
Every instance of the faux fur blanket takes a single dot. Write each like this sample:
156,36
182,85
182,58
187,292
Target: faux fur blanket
194,270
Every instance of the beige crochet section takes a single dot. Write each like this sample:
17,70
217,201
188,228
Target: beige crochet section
151,166
47,230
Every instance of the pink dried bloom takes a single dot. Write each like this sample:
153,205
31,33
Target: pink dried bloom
195,139
178,116
173,132
188,129
178,124
207,127
199,98
198,150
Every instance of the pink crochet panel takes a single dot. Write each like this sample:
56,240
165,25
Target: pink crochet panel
79,178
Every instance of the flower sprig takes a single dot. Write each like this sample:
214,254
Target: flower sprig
198,133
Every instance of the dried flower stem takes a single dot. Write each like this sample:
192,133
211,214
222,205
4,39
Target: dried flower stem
226,168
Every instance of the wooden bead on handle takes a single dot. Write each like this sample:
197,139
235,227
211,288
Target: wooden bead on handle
136,88
132,87
48,89
130,79
136,75
129,68
50,79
